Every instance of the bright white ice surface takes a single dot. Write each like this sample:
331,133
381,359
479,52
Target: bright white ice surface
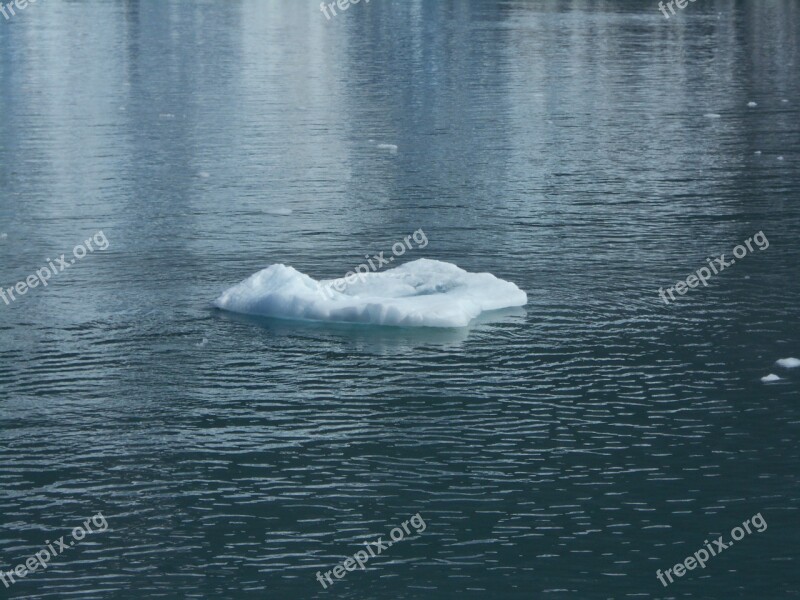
422,293
789,363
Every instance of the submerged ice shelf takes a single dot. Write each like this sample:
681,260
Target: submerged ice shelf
422,293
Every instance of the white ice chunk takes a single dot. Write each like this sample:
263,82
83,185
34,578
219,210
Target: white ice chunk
422,293
390,147
752,104
279,211
712,115
770,378
789,363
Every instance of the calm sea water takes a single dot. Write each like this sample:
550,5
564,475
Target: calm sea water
566,450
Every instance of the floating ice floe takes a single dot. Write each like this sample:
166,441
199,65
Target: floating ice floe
758,152
780,158
390,147
422,293
204,174
752,104
712,115
789,363
279,211
770,378
3,236
203,343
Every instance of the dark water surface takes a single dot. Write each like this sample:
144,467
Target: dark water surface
566,450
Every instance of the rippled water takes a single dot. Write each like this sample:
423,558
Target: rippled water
565,450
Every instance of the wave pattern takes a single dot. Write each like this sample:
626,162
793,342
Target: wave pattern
565,449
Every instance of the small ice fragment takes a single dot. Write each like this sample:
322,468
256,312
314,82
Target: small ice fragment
390,147
770,378
758,152
279,211
752,104
203,343
3,236
780,158
712,115
789,363
204,174
784,100
166,116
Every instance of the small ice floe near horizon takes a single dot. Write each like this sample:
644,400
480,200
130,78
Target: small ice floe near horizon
784,100
166,116
788,363
390,147
204,174
203,343
283,212
770,378
422,293
757,152
780,158
3,236
752,104
712,115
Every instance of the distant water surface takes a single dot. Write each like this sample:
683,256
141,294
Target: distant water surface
566,450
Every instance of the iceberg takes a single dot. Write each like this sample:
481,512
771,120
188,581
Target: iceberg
422,293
